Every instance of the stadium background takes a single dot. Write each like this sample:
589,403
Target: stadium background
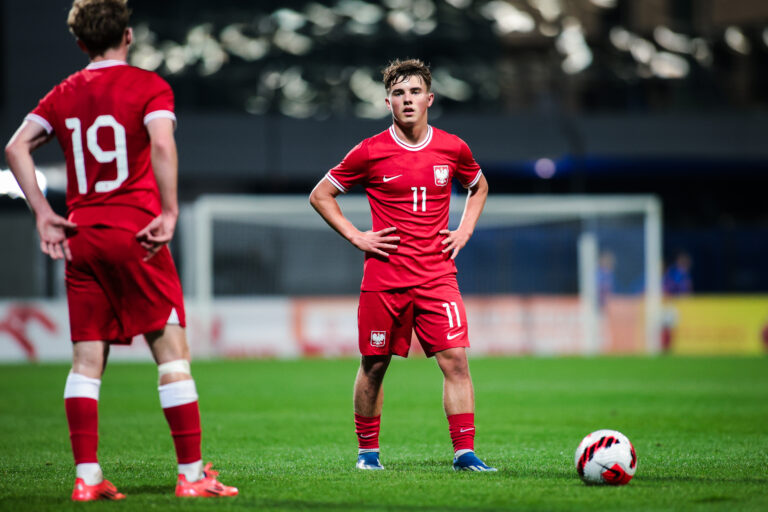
600,97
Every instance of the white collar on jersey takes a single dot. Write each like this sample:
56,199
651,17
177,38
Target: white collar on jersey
106,64
411,147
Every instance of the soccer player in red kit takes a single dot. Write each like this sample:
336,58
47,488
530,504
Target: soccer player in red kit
409,279
115,124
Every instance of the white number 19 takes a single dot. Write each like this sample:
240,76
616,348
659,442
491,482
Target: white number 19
119,155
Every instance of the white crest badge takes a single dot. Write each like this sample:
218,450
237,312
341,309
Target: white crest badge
441,175
378,338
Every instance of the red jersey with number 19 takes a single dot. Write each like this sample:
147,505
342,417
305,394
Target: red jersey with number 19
408,187
99,116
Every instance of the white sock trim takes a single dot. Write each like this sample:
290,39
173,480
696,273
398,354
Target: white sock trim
177,393
90,472
459,453
192,471
367,450
80,386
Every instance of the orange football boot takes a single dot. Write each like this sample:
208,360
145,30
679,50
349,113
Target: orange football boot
103,491
206,487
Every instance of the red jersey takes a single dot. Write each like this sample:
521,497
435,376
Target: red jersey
408,187
99,116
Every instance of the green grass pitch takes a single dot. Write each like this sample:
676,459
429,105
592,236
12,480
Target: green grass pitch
282,432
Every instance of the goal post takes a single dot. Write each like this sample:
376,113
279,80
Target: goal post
250,246
587,210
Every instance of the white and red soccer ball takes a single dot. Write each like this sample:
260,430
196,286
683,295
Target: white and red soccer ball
606,457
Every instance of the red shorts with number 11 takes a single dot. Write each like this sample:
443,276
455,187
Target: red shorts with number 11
434,311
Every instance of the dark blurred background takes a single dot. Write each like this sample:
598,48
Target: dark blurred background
624,97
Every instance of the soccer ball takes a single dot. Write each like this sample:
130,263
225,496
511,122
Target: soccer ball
605,457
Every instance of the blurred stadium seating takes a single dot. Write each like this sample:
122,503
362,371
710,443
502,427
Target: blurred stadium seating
656,97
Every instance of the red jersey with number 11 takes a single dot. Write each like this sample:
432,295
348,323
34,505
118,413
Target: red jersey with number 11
408,187
99,116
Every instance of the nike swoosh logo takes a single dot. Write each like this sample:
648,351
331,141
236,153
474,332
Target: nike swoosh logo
451,336
365,436
462,430
390,178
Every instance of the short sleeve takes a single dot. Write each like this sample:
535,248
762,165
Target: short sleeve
352,170
467,170
44,113
160,104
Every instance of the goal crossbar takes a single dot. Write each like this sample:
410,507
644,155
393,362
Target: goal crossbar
500,210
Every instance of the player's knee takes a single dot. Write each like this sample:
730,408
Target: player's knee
88,359
374,363
89,367
374,370
455,366
173,371
456,372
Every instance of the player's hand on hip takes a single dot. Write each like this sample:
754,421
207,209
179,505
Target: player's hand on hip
52,229
454,241
377,242
156,234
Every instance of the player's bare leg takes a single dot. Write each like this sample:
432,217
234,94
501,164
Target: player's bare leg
89,358
369,392
178,397
368,401
81,400
458,393
167,345
459,405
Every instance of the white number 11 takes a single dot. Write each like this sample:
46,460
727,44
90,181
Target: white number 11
416,198
448,312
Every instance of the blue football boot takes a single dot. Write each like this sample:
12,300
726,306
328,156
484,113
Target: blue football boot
469,462
368,460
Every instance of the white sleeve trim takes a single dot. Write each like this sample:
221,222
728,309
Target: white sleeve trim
160,114
335,182
41,121
477,178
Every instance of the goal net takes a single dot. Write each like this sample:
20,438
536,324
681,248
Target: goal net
265,275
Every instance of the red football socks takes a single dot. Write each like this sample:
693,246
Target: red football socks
83,420
184,421
462,429
179,402
367,430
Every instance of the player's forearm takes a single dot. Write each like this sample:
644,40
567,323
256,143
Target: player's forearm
326,205
474,206
19,158
165,166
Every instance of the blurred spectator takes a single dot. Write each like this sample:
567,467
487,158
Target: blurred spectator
605,276
677,282
677,278
765,337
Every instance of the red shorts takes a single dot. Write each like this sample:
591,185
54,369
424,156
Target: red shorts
113,294
434,311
